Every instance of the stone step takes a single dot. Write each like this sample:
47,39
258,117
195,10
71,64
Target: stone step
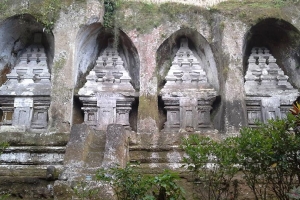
28,170
33,155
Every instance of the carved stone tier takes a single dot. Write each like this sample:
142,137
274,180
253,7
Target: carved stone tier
268,92
105,109
107,95
25,97
187,95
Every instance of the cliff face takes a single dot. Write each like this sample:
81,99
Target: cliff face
147,37
203,3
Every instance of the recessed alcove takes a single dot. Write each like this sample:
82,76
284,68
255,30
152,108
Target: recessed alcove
203,73
16,33
92,41
282,39
26,55
271,57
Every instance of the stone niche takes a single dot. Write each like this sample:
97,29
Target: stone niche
25,96
269,95
187,95
108,94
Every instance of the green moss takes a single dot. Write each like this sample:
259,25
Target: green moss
253,11
59,64
153,15
148,107
45,11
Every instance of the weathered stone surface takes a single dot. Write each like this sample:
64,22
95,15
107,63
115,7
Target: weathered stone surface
268,92
116,147
187,94
33,155
25,97
108,94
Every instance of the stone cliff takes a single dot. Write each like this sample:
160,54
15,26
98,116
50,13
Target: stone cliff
159,70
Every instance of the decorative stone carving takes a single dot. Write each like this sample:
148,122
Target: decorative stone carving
107,95
25,97
268,92
187,95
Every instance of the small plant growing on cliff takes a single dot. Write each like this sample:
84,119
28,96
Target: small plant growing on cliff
110,7
294,193
83,191
128,184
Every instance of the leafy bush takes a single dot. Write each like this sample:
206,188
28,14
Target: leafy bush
213,163
270,157
128,184
294,193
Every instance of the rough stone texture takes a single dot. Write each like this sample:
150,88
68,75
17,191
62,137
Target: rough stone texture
108,94
25,96
187,95
80,149
203,3
269,94
85,153
232,91
222,44
116,147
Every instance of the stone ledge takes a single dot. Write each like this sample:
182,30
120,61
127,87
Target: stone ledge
35,139
32,171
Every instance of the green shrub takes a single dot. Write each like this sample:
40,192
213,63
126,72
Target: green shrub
128,184
213,164
270,157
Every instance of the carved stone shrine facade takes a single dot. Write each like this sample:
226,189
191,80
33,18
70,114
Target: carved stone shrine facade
25,97
187,95
107,95
269,95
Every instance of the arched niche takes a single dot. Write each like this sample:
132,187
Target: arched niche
270,65
16,33
173,98
201,49
282,39
91,42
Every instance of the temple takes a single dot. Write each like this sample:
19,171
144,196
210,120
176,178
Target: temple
269,95
25,97
107,95
187,95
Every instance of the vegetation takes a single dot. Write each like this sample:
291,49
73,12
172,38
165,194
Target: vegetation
268,157
213,164
128,184
83,191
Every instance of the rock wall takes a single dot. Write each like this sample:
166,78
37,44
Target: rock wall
148,38
204,3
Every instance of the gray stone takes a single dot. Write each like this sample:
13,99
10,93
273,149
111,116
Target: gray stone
187,95
25,97
108,94
116,147
268,92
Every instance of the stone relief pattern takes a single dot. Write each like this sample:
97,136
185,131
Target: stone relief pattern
187,95
268,92
25,97
108,94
